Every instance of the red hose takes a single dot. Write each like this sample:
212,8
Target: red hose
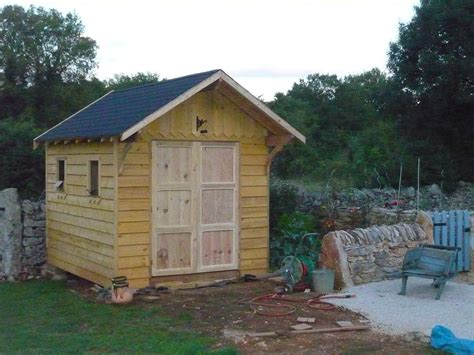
257,303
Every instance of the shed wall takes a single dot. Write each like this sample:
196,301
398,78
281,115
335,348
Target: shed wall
80,227
225,122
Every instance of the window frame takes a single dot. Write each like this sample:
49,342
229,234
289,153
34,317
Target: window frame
60,187
89,176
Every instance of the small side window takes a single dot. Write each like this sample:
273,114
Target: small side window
94,178
61,174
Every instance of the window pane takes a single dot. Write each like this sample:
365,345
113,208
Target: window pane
94,176
61,170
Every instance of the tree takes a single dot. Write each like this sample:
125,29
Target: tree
40,51
350,133
433,68
124,81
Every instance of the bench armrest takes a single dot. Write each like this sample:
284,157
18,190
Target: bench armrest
411,258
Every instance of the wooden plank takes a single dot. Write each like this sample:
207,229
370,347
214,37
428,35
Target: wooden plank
254,233
80,262
79,271
134,181
133,239
136,158
253,149
85,254
81,201
253,181
254,191
254,222
254,170
252,201
90,213
252,254
133,227
254,212
458,242
133,250
466,241
134,204
81,232
254,264
87,223
444,228
436,229
133,192
256,272
133,261
135,272
253,159
135,170
134,216
83,243
331,330
138,283
253,243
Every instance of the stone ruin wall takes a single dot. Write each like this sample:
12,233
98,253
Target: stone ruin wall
372,254
22,235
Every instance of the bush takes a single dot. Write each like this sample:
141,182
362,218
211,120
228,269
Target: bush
283,199
22,167
287,235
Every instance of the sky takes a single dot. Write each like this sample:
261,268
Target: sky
266,45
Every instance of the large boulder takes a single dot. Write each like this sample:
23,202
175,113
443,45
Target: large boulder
10,233
334,257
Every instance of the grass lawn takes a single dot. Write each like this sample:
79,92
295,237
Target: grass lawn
43,316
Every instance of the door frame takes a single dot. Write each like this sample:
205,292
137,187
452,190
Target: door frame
196,210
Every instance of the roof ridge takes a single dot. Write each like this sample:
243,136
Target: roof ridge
165,81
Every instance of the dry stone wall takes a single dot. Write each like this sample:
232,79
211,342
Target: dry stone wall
370,254
22,235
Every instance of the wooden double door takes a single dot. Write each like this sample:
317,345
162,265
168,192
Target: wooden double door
195,207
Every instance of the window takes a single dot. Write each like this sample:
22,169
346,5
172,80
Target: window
61,174
94,178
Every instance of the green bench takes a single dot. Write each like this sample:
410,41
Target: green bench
430,262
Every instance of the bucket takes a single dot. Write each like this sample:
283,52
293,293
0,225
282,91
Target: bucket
121,292
323,281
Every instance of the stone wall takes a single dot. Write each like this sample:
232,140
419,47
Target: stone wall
370,254
34,234
22,235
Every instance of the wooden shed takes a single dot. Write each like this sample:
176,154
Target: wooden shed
163,182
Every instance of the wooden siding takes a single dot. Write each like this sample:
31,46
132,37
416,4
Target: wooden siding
80,227
225,122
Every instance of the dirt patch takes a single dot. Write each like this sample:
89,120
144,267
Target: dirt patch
216,312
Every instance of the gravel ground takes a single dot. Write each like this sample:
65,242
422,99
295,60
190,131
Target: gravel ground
418,311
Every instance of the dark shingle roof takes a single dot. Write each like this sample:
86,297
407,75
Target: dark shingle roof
119,110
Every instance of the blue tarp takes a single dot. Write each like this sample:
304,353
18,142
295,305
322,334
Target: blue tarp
444,339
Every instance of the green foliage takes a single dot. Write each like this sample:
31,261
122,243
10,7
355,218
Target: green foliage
287,235
45,317
125,81
40,51
22,167
283,200
350,134
433,69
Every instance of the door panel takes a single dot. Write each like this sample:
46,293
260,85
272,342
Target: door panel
174,237
195,207
218,230
217,206
217,164
174,251
217,247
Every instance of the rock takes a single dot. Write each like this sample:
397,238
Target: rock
10,233
53,273
434,190
425,221
334,257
